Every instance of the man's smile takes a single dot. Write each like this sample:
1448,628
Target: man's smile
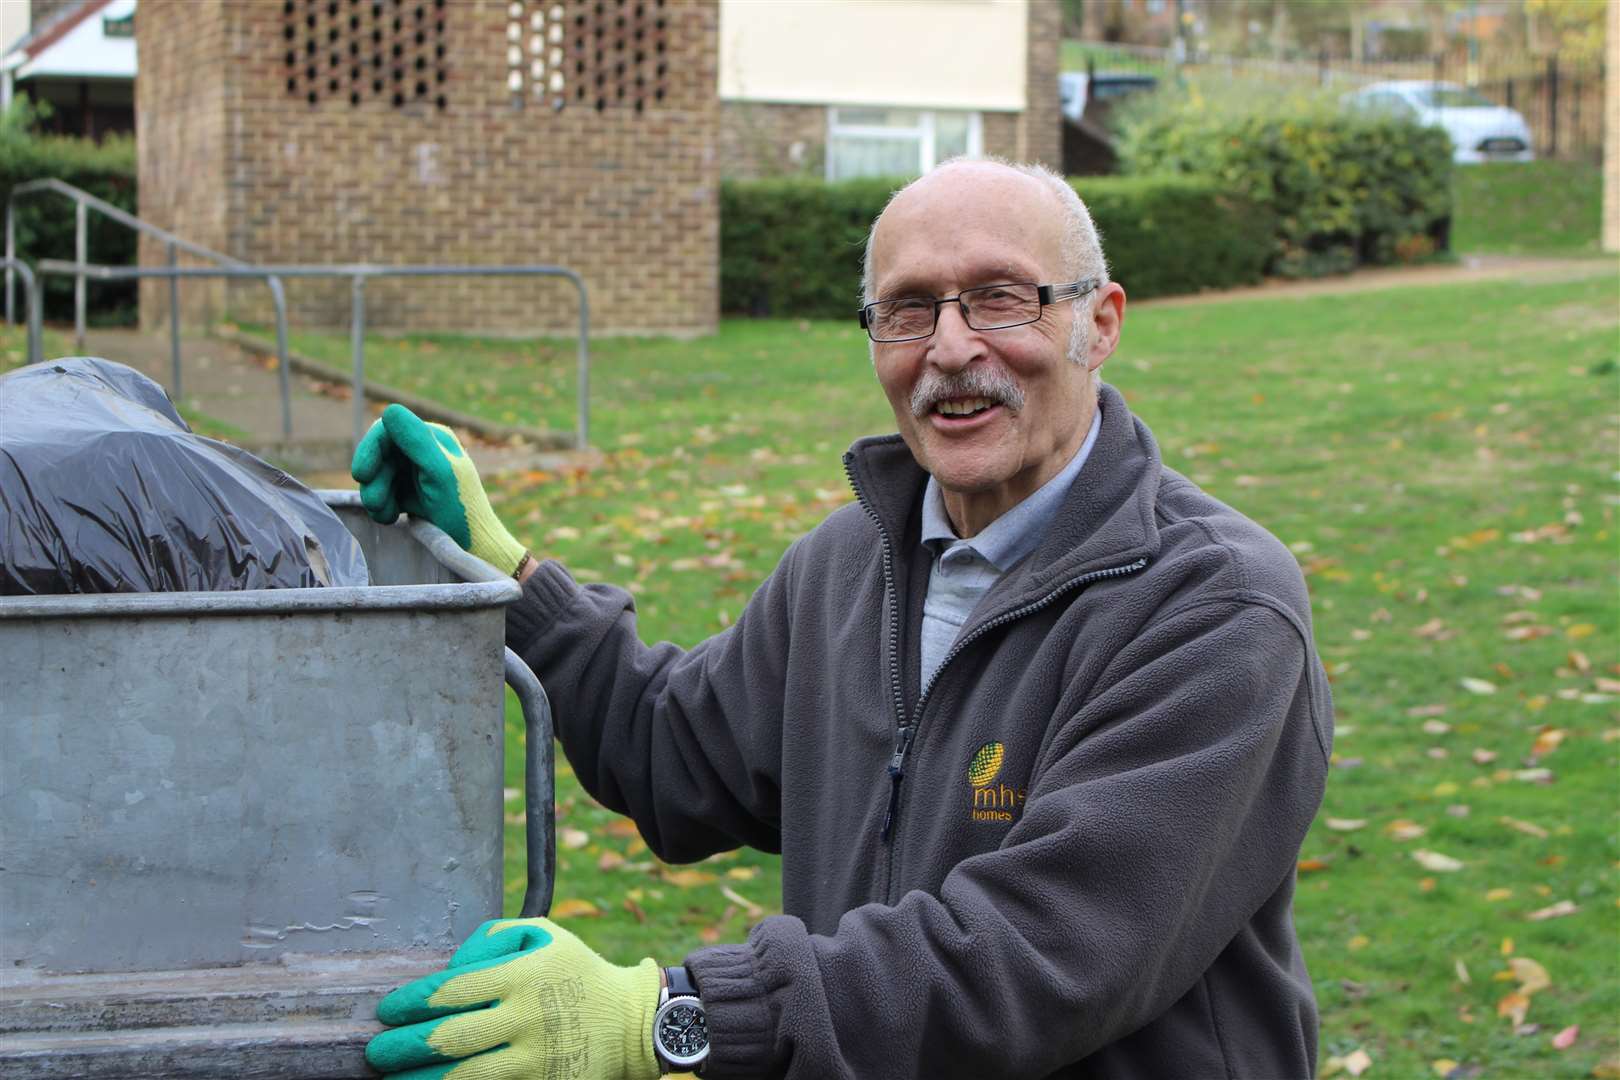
964,415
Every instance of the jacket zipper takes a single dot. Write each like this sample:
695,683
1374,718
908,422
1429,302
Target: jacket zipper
902,735
905,738
905,732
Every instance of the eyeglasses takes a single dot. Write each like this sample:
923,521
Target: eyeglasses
990,307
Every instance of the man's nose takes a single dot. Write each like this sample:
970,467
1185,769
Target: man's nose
955,344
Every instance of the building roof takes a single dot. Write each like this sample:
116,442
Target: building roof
77,45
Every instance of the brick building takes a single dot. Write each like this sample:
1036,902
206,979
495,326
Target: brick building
839,88
572,132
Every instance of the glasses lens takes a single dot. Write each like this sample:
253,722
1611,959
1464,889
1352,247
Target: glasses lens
995,306
898,320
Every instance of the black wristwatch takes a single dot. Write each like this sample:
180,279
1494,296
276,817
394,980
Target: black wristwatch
680,1027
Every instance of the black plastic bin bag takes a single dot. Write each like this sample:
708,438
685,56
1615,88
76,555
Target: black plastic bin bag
104,488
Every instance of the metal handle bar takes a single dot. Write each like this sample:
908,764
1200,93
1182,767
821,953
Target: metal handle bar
540,825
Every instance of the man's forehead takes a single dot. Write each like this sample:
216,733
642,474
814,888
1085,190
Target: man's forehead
987,213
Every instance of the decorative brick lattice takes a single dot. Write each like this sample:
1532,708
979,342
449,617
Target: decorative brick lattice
618,53
388,50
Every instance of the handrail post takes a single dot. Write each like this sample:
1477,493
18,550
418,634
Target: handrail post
35,283
357,345
11,253
582,425
81,250
279,296
174,321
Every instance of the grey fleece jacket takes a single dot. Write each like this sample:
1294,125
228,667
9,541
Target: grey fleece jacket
1097,804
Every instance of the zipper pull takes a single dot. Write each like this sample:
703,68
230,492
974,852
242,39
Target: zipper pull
897,770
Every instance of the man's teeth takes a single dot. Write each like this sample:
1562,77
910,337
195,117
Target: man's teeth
964,406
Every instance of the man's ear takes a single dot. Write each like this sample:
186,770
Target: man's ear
1108,315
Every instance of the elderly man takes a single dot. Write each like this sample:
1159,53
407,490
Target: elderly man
1037,726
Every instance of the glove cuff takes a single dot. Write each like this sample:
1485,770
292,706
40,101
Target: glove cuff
640,986
492,543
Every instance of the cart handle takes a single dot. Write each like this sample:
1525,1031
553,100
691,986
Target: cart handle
540,826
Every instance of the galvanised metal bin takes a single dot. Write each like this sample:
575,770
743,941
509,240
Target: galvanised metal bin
230,821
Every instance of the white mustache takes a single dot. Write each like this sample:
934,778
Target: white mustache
967,383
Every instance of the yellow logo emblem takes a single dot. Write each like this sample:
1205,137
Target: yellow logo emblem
986,764
992,801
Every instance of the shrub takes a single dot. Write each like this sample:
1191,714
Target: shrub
794,246
45,222
1345,187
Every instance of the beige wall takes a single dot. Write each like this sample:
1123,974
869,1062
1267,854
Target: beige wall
941,54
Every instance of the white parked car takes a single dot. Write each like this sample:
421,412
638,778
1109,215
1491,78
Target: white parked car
1480,130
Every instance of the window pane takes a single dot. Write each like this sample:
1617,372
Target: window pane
850,156
951,134
867,117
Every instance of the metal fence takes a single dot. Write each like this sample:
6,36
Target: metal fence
357,275
1560,100
225,266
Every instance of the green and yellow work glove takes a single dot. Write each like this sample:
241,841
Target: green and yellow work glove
521,999
404,463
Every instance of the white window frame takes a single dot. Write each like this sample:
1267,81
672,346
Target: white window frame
927,148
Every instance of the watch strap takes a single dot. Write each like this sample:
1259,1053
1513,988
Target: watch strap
680,982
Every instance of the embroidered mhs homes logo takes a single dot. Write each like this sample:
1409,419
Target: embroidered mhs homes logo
992,801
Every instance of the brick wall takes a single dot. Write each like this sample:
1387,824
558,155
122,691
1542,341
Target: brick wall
181,144
1611,133
1041,122
375,169
759,140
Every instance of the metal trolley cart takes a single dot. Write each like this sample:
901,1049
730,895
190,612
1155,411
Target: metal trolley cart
231,821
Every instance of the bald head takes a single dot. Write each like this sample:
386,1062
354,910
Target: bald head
1031,198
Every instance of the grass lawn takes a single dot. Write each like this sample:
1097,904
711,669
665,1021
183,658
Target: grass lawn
1442,460
1529,208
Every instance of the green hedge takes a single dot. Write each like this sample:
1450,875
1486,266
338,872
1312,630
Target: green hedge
794,246
1346,188
45,222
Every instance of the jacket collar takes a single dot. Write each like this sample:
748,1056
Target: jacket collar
1106,521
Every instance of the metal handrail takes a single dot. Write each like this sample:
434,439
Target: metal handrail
84,201
36,349
278,296
358,273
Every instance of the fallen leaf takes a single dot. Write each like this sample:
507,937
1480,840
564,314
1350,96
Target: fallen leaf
1442,1066
1608,1068
635,910
1482,756
621,826
754,910
1566,1038
1556,911
1528,633
1417,712
574,908
1345,824
1402,829
1311,866
742,873
1357,1062
1495,895
1607,686
1478,686
1433,860
1578,660
1531,975
1580,630
574,839
1445,789
1546,742
1513,1006
609,860
1360,941
1435,727
1462,972
1526,827
686,879
1434,628
1507,946
1534,776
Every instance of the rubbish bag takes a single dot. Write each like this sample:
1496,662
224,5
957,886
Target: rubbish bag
104,488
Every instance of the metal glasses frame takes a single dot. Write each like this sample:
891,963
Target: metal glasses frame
1044,294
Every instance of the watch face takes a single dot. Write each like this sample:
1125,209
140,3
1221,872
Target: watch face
683,1031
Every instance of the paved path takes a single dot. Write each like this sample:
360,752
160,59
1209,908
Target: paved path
230,385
